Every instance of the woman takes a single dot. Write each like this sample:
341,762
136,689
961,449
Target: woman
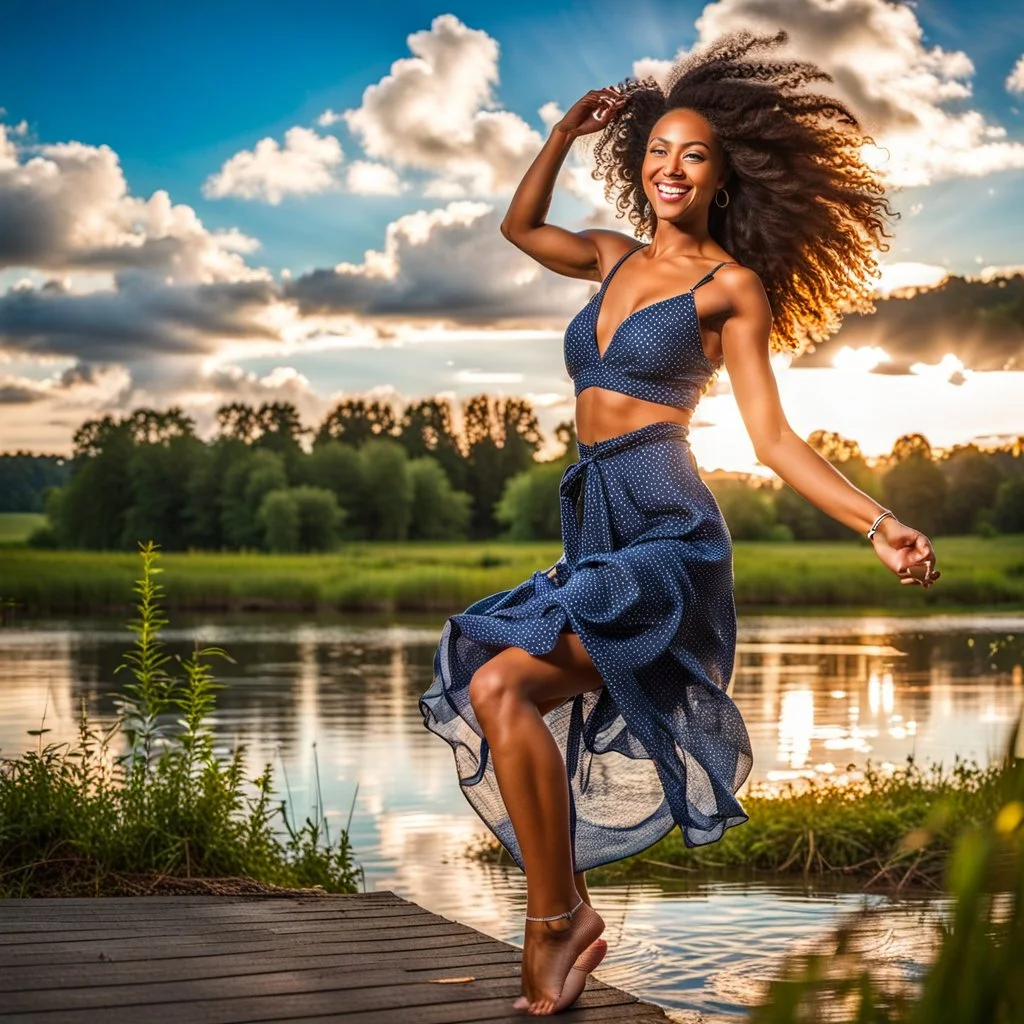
587,706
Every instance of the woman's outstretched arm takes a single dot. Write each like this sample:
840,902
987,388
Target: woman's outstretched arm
745,348
574,254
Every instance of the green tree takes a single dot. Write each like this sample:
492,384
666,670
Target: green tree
386,508
159,473
972,479
300,519
439,512
529,508
279,520
749,512
1008,514
914,487
339,468
426,429
356,420
249,478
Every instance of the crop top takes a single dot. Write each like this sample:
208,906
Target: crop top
655,353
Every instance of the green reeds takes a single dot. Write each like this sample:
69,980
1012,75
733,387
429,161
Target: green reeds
85,820
866,830
445,577
976,976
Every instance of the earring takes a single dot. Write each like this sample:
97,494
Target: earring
722,206
647,209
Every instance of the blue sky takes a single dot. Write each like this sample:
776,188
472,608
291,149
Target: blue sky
177,92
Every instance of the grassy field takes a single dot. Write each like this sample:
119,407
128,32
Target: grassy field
449,576
16,526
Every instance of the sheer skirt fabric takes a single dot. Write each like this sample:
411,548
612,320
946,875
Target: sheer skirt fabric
645,581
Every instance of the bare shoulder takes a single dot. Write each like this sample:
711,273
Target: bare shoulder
744,288
610,245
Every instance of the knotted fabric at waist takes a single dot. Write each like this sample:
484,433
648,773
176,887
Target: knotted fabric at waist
581,485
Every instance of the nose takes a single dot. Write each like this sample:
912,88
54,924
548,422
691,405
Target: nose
675,168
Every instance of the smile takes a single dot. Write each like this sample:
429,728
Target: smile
672,193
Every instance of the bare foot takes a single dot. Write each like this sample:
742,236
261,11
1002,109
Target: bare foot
548,955
587,961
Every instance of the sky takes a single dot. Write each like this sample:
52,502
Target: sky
255,202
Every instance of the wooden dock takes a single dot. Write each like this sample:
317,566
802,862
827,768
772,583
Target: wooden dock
371,958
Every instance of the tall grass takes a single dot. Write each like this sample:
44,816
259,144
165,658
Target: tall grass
870,829
442,577
977,976
84,820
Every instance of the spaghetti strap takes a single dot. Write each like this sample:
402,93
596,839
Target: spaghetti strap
618,263
710,274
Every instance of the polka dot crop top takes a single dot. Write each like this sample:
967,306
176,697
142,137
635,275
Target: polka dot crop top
655,353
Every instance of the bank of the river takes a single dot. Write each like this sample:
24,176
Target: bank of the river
412,576
886,830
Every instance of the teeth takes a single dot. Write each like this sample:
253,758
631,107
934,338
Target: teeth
672,191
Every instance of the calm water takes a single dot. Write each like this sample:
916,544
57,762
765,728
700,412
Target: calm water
818,695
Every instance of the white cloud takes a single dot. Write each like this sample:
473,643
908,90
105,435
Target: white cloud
303,166
436,112
450,264
66,206
1015,79
898,86
364,177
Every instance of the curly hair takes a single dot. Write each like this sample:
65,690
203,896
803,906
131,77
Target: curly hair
806,213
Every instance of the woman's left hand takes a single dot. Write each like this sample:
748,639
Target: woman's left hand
907,552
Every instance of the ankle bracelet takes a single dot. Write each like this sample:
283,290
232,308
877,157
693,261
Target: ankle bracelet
558,917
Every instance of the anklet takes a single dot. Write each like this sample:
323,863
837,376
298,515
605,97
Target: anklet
558,917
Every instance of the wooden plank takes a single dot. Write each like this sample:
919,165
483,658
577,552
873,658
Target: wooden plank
434,1003
363,959
134,952
85,932
106,973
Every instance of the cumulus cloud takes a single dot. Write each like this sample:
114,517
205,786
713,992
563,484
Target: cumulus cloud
67,206
1015,79
436,112
304,165
450,264
900,87
366,178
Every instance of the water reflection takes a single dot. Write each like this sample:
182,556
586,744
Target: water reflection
337,698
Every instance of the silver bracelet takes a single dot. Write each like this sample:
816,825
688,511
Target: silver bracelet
874,525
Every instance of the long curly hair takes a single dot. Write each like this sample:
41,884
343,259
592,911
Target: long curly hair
805,211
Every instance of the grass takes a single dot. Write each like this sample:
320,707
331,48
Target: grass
872,829
425,576
166,814
15,527
976,976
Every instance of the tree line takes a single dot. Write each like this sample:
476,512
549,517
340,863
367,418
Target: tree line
366,473
369,472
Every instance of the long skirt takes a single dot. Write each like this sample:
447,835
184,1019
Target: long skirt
646,583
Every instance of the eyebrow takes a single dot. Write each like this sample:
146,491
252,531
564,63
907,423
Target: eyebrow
692,142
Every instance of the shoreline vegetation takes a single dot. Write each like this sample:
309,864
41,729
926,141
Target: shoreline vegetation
978,573
168,815
885,831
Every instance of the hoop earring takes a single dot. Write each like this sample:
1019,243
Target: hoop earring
722,206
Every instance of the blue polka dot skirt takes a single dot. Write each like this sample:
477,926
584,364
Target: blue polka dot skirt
645,581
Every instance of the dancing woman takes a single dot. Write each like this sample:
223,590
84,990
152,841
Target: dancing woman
588,706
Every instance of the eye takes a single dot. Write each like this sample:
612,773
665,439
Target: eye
658,150
699,156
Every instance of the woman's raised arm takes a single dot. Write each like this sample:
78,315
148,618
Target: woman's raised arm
574,254
745,347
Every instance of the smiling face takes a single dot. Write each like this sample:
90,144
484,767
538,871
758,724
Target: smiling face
683,167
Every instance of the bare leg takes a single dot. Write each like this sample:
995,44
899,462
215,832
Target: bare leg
505,693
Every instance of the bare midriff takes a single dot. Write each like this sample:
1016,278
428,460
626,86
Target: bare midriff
601,414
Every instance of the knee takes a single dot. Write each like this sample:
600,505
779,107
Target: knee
490,691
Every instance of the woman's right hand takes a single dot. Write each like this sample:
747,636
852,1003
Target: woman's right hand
592,112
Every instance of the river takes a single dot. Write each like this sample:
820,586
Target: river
338,693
